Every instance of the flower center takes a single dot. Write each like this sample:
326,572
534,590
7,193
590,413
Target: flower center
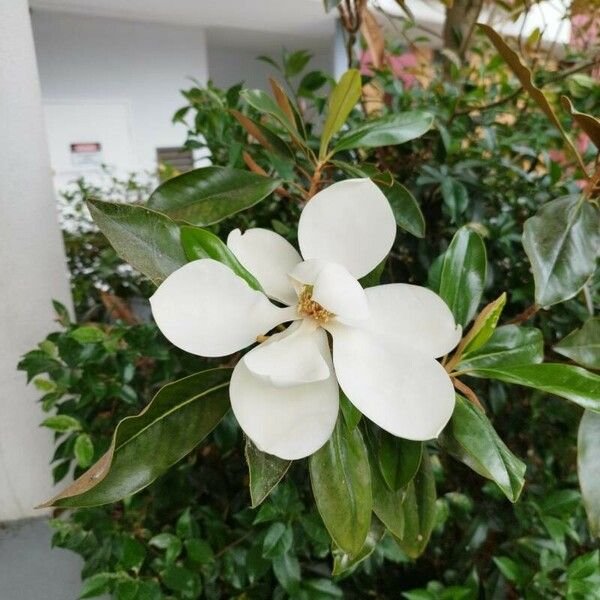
307,307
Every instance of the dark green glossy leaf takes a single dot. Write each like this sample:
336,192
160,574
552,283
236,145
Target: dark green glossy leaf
295,62
471,438
265,472
62,314
398,460
584,567
419,510
187,526
560,503
342,100
387,504
310,83
322,589
96,585
354,170
562,241
147,240
182,579
455,196
351,414
269,61
573,383
131,553
406,210
434,274
286,568
365,170
386,131
179,417
341,483
463,274
200,243
168,542
583,345
127,589
344,562
509,345
516,572
278,540
588,467
199,551
210,194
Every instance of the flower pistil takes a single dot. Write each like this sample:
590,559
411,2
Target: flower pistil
307,307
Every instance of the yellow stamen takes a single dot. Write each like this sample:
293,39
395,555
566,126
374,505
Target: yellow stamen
307,307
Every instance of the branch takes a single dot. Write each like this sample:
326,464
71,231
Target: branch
525,315
559,77
468,392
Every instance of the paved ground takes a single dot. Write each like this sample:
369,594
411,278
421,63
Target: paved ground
30,569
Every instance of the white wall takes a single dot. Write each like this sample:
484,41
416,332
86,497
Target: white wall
232,55
32,266
102,67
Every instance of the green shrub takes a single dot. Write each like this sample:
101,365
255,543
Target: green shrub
191,533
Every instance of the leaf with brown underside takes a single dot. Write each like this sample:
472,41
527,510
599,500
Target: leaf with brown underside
282,100
373,98
118,308
144,446
250,126
264,136
252,164
520,69
589,124
371,31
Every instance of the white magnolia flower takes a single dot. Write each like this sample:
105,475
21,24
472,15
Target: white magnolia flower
284,392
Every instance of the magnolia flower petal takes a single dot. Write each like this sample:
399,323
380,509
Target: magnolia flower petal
408,394
269,257
333,288
340,293
205,309
350,223
291,357
414,316
306,273
289,422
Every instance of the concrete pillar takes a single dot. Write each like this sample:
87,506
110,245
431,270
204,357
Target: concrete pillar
32,264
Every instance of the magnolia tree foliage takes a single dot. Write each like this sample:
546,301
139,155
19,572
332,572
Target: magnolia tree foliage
342,371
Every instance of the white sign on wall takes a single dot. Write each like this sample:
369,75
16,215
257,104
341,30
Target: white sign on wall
86,154
84,134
